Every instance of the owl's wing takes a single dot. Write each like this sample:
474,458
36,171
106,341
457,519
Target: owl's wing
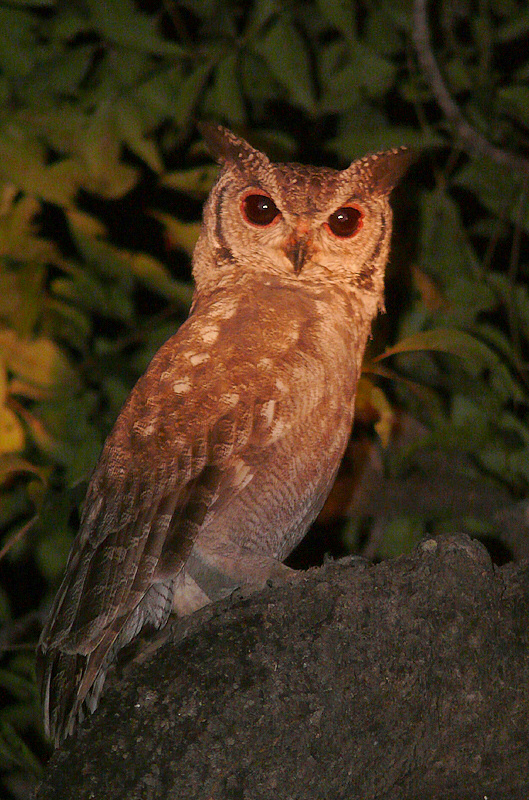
145,505
108,592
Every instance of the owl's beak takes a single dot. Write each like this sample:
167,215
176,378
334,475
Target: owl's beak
298,245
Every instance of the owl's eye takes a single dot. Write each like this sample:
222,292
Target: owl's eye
345,222
259,209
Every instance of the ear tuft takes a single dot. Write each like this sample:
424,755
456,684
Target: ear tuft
380,172
227,147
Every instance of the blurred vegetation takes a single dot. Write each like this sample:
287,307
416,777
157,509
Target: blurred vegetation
102,176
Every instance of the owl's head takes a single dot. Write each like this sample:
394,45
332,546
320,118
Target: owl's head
300,223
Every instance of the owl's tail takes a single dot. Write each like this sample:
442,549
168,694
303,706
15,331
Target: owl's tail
71,680
71,684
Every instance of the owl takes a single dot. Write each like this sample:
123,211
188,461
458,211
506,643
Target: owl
228,445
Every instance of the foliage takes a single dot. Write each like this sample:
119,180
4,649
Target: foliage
101,180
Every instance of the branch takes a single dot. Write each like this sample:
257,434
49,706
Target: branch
471,139
405,679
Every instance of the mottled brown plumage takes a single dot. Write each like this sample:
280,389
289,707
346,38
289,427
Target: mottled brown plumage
228,445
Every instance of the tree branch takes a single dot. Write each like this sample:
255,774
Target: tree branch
471,139
402,680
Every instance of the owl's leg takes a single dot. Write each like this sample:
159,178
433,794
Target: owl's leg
220,569
188,596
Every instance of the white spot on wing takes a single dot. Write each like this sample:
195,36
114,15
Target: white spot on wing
196,358
265,363
277,431
267,410
242,474
230,399
281,385
290,336
210,334
182,386
144,429
227,308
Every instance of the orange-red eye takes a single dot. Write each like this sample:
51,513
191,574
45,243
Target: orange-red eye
259,209
345,222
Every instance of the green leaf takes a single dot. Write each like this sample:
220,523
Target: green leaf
181,234
196,182
341,15
225,92
22,163
362,130
39,361
121,22
63,74
18,51
12,436
516,99
69,22
83,291
376,74
189,91
52,554
69,323
34,3
103,258
286,54
444,245
451,341
261,12
132,127
515,26
381,32
260,84
444,340
101,155
496,188
469,415
16,684
153,274
16,749
83,459
160,91
401,534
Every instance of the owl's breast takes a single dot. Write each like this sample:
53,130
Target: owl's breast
267,362
290,361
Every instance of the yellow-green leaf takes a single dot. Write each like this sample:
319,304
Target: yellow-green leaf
132,127
106,174
23,162
3,383
286,54
39,361
476,353
11,465
154,275
196,182
181,234
370,395
444,340
12,436
85,223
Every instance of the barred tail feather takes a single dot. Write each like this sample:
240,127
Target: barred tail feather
71,682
